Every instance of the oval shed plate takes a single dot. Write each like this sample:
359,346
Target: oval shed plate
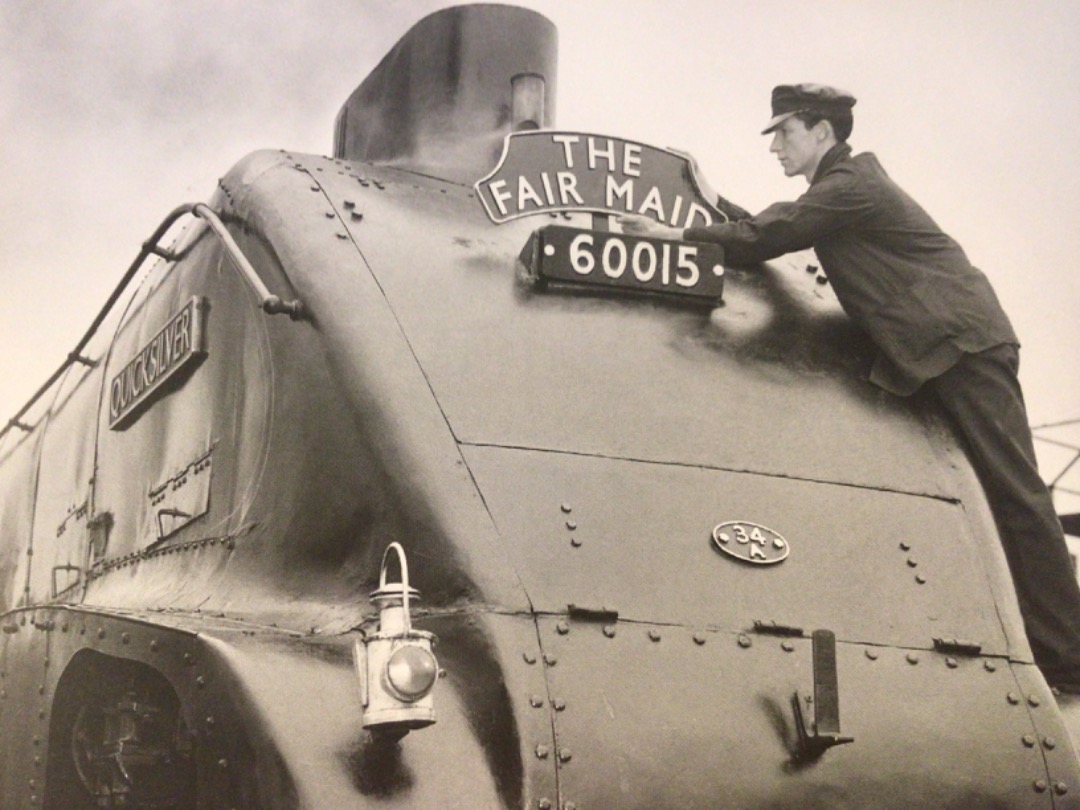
750,542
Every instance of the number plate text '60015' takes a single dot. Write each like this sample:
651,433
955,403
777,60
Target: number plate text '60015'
630,263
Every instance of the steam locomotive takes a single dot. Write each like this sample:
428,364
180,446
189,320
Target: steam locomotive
402,479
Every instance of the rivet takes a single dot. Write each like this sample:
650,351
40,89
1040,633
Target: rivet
822,280
744,640
529,658
1013,698
699,638
811,268
1060,788
550,660
1033,700
872,655
912,563
562,628
544,804
356,216
912,658
575,541
1039,785
101,632
1028,740
950,662
558,705
654,635
200,681
565,755
609,630
536,701
125,638
41,689
542,752
1049,743
569,806
223,763
329,214
920,579
787,646
989,666
188,659
342,235
153,645
571,524
314,188
350,204
905,546
567,508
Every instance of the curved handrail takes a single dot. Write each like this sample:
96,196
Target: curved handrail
271,304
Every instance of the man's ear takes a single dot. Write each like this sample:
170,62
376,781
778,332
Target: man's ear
823,129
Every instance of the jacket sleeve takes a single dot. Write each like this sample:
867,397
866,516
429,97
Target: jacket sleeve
835,201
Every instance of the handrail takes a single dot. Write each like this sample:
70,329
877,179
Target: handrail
271,304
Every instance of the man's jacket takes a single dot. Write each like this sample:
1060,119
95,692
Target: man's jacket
895,272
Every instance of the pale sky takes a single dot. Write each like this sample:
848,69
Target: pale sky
114,112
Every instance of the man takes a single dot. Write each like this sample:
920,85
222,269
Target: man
937,324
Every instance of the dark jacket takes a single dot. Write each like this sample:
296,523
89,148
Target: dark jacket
897,275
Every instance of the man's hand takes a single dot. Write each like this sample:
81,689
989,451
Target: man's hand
636,225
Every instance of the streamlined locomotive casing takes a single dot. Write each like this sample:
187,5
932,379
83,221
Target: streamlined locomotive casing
558,466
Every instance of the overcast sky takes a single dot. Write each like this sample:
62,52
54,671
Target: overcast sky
113,112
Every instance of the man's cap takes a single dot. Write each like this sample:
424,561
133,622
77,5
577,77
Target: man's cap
790,99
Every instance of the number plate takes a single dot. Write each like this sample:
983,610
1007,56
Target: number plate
637,264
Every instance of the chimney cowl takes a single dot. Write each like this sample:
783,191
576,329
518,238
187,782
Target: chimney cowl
442,100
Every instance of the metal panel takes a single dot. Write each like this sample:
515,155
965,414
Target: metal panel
871,566
18,482
661,716
274,716
64,506
225,398
608,376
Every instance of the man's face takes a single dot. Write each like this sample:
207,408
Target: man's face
797,147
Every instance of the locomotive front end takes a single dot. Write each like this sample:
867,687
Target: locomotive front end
635,566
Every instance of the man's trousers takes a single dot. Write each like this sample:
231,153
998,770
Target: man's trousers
982,395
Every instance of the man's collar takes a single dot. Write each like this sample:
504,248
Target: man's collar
836,153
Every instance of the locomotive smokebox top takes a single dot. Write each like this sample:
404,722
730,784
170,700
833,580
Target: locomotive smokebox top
442,100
